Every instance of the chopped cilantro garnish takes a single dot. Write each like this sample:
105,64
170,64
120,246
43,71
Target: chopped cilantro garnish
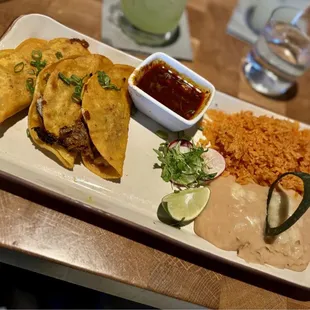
183,168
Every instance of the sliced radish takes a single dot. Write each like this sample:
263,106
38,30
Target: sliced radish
215,162
185,145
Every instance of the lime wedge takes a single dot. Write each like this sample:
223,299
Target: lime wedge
186,205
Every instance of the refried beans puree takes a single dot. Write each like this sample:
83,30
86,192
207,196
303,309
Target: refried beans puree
234,220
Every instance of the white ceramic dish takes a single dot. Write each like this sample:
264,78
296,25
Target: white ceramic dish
135,199
156,110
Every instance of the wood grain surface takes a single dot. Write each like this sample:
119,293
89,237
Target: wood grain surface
35,224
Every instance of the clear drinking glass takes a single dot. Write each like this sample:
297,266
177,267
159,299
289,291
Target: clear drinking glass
151,22
282,52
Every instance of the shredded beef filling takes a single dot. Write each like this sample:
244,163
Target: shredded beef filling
45,136
97,158
76,139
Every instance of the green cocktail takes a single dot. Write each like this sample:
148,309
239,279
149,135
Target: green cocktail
157,17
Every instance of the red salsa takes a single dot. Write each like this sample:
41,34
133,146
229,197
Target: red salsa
169,88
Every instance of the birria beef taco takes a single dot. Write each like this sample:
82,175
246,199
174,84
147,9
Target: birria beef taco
55,120
106,109
20,67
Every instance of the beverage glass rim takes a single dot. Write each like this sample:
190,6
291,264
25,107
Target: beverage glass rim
284,7
299,14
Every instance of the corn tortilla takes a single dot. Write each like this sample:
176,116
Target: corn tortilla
14,95
35,120
107,117
59,110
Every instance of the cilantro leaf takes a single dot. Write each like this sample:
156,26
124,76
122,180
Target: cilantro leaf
183,168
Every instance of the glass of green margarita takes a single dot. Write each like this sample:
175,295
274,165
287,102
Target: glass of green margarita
151,22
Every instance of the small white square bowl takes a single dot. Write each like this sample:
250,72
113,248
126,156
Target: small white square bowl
156,110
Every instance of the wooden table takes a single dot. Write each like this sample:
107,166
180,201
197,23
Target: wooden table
29,222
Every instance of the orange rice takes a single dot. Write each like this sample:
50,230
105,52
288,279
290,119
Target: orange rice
259,149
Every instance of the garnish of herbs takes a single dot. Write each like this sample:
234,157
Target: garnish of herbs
59,55
37,61
75,81
105,81
30,85
19,67
182,168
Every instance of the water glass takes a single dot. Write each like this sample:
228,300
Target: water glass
281,53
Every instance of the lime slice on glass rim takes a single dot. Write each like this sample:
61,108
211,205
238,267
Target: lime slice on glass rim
184,206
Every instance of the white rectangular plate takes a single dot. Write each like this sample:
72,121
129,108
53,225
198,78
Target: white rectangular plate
137,196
